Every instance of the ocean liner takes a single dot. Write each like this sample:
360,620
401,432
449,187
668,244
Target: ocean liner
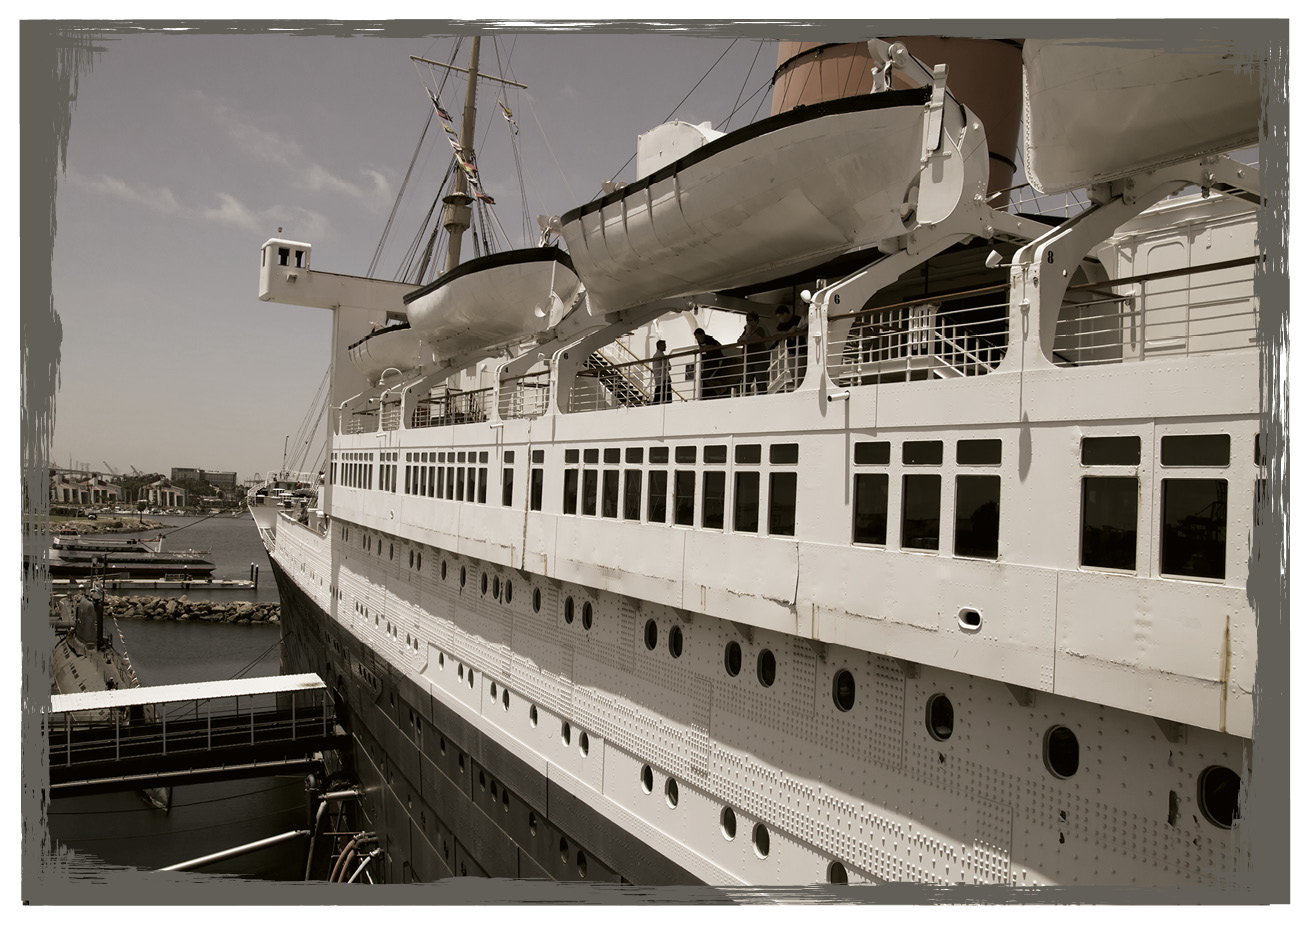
815,507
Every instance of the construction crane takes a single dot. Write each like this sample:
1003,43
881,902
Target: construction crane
110,469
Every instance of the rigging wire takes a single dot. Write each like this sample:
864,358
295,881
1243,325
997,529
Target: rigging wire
399,196
736,106
675,108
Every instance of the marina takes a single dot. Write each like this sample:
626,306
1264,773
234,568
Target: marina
862,498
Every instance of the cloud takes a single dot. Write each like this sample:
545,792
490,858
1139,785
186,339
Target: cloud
159,199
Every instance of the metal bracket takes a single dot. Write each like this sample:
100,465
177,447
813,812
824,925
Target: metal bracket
912,670
684,615
1024,696
1173,731
746,632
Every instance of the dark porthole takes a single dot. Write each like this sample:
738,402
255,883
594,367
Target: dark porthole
581,863
836,874
767,668
842,690
1219,795
728,820
651,635
647,778
583,741
419,561
587,615
567,610
444,569
484,583
508,591
495,590
494,690
505,699
731,658
535,600
1062,752
442,745
460,670
532,715
563,849
762,841
940,717
504,798
531,822
566,729
461,762
463,577
670,791
675,642
441,660
470,677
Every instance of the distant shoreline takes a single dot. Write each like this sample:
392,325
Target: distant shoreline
116,525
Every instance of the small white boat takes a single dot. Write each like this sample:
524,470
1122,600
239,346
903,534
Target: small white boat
491,300
1098,111
393,348
778,197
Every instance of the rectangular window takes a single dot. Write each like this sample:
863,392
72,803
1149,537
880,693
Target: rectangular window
590,455
871,453
1108,521
1194,528
1196,451
440,482
612,455
538,487
924,453
781,501
715,495
610,499
506,484
683,512
715,454
431,480
686,454
980,451
871,504
408,479
449,483
589,491
658,455
658,497
422,481
921,523
570,491
482,474
749,454
631,494
976,516
570,456
746,515
635,455
458,484
784,454
538,456
1110,450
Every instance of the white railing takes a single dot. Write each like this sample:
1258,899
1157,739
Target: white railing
525,396
915,342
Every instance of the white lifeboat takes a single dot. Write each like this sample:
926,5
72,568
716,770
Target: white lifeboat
1096,112
492,300
775,198
395,348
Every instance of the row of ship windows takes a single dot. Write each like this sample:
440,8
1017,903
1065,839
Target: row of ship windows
1193,512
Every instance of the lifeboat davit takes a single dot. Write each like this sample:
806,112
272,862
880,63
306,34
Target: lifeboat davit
492,300
778,197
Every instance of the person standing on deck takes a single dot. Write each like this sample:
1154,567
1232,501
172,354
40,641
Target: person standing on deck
662,373
755,354
710,365
795,329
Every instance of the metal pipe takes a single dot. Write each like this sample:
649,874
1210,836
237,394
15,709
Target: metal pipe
238,850
322,807
367,859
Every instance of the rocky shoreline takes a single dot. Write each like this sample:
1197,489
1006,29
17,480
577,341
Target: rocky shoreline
105,526
182,609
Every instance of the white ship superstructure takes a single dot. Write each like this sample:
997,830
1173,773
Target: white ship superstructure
953,591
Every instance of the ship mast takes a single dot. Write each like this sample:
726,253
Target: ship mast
458,203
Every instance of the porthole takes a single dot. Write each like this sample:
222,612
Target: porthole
1062,752
531,822
463,577
505,699
419,566
728,821
410,558
647,778
651,635
836,874
495,589
675,642
566,729
581,863
484,583
587,615
1219,796
504,798
441,660
670,791
392,551
731,658
535,600
531,714
567,610
470,677
583,741
494,690
508,591
767,667
939,717
442,745
842,690
460,670
461,762
563,849
762,841
444,569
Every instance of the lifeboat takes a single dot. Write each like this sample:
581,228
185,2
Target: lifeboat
1099,111
491,300
393,348
778,197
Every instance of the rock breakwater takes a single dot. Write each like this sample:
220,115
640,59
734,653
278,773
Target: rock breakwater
182,609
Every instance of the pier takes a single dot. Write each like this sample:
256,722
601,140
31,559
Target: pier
186,733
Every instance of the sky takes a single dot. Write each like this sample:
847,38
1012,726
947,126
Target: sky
187,152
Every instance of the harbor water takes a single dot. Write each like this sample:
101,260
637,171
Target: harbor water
122,828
